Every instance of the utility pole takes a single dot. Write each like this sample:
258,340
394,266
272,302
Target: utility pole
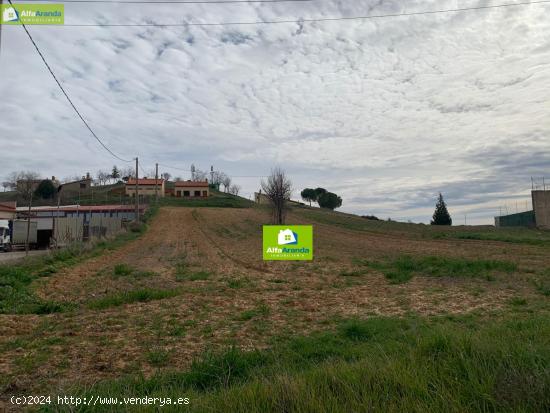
211,172
156,183
28,222
137,195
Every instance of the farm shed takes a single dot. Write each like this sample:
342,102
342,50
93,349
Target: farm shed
190,189
145,187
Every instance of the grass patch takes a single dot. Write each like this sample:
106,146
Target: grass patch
518,236
237,283
216,199
543,287
518,301
189,275
456,364
403,268
121,270
262,310
158,358
129,297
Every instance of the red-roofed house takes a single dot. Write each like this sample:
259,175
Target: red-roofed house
185,189
145,187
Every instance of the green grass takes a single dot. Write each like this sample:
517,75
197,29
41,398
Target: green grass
261,311
158,358
122,269
216,199
455,364
125,270
129,297
237,283
512,235
403,268
186,274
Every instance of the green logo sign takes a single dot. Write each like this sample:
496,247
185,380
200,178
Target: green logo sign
288,242
22,13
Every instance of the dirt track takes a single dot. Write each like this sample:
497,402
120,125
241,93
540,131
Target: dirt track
243,300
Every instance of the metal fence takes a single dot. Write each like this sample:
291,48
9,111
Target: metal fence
68,230
540,183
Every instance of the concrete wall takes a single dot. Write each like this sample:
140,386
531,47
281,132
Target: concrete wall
541,206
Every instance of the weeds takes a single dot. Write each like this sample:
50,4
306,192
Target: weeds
129,297
122,269
387,364
262,310
403,268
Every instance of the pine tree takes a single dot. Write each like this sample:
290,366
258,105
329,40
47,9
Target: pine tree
115,173
441,215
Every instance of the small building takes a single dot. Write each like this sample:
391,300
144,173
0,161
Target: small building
260,198
8,210
191,189
48,218
23,184
145,187
75,187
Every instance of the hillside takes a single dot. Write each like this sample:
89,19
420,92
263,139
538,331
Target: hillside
380,318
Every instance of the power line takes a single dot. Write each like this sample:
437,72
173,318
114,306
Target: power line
175,167
67,96
232,176
323,19
168,1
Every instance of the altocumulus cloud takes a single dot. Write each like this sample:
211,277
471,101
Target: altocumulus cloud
385,112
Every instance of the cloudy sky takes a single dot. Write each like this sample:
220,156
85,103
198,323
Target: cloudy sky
385,112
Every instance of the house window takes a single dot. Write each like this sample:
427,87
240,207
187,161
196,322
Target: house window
197,193
204,193
186,193
82,185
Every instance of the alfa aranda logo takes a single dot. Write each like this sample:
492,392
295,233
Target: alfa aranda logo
24,13
293,242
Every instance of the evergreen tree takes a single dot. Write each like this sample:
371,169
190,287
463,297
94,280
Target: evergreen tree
329,200
115,173
309,195
45,190
441,215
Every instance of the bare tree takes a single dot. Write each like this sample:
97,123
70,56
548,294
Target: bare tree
103,177
8,185
200,175
226,182
127,173
25,182
278,189
217,178
166,176
234,189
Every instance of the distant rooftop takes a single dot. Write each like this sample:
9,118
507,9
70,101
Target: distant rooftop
192,184
145,181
